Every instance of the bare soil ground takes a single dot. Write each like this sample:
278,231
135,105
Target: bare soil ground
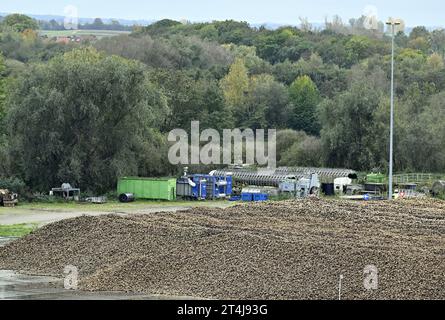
274,250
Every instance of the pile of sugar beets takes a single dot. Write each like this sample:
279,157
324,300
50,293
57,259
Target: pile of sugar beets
273,250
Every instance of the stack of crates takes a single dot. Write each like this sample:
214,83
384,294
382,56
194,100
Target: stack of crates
247,197
255,195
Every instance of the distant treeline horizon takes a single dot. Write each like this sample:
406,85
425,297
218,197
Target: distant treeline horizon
56,23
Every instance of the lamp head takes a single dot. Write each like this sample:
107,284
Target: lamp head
393,22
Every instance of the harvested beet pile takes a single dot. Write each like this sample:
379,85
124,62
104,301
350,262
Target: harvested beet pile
275,250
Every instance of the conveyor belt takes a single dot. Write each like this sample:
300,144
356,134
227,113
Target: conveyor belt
273,178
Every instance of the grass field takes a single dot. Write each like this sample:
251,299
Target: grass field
16,230
98,33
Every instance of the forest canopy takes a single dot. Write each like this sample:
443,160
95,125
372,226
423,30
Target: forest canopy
88,113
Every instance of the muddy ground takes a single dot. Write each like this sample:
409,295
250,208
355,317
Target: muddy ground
274,250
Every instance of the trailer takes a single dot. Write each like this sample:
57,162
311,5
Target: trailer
148,188
66,191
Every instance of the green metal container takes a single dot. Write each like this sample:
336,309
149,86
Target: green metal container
148,188
376,178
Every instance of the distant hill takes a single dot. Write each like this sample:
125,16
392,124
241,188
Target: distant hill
59,19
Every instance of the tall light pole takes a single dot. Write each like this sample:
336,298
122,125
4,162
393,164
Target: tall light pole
392,23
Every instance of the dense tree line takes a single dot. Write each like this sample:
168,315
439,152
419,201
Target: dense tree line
96,24
88,115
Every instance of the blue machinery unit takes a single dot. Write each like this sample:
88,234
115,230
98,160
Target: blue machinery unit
202,186
191,187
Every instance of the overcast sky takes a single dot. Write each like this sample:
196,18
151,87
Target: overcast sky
425,12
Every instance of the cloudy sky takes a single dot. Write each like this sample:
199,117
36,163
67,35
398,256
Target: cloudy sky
426,12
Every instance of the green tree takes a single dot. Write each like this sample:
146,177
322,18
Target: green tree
358,48
304,98
438,41
306,152
97,24
253,63
2,91
348,122
419,32
190,99
83,118
252,114
285,139
231,31
422,44
420,140
4,158
266,104
20,22
295,148
161,27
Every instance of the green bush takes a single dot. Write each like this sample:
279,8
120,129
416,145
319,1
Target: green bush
112,195
14,185
44,198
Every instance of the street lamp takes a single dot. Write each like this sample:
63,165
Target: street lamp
393,23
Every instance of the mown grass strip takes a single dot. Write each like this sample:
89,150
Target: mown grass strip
16,230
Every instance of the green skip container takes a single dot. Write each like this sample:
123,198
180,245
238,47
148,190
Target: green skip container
148,188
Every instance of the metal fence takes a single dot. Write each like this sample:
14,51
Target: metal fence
417,178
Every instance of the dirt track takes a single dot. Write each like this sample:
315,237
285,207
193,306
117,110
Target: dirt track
276,250
42,216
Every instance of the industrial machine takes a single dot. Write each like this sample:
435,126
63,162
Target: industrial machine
8,199
191,187
272,178
355,189
303,187
376,183
204,186
341,185
67,192
220,186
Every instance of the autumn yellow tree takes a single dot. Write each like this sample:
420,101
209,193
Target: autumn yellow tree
236,85
30,35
